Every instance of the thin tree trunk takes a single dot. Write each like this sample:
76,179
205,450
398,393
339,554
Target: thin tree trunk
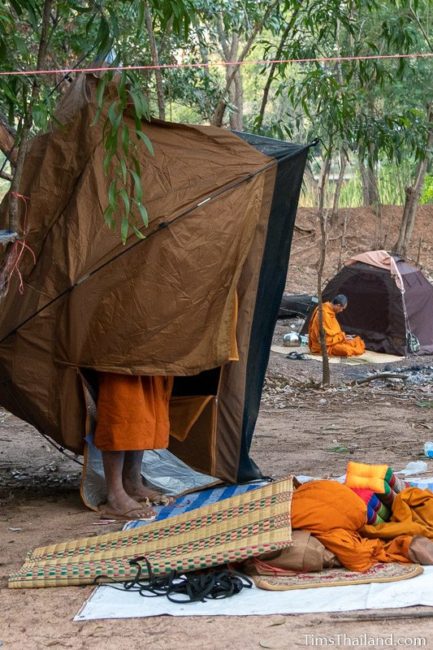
236,90
370,193
218,116
27,124
311,185
324,173
270,78
338,186
155,62
413,193
364,183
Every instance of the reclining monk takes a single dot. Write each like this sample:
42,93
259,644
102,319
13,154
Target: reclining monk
338,344
132,417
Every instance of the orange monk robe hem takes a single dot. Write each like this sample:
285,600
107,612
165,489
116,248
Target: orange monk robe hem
336,343
133,412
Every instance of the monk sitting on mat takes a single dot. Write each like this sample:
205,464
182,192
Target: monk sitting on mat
338,344
132,417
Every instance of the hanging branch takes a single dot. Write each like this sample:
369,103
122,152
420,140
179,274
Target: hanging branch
28,119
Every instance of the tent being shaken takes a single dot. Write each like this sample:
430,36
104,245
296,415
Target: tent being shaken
221,213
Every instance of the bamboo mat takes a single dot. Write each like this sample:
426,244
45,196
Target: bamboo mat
231,530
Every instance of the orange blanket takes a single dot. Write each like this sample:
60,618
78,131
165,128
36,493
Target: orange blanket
337,344
132,412
335,515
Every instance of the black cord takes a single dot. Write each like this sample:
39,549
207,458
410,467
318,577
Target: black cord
196,586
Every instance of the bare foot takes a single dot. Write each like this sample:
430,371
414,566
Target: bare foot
126,508
143,494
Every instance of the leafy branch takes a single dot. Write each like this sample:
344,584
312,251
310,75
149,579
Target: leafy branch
125,192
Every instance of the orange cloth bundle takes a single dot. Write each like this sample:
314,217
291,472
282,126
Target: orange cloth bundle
335,515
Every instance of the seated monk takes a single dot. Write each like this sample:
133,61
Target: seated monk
132,417
338,344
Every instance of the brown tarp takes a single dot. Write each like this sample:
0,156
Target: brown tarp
162,305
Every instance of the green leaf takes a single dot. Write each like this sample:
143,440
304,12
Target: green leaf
123,169
137,232
146,141
108,217
112,191
112,113
103,39
107,161
140,18
143,213
125,139
137,186
125,198
124,229
339,449
140,105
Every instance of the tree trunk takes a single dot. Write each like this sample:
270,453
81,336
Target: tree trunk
370,192
155,62
338,186
311,185
413,193
236,94
324,173
218,116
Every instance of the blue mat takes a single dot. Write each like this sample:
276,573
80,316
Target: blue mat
196,500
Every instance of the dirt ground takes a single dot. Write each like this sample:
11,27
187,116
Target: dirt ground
301,429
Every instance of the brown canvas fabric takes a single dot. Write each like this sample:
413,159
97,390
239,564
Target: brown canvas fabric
305,554
164,305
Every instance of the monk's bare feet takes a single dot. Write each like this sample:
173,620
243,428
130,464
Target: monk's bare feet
140,492
123,507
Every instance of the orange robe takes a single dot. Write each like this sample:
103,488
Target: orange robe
337,344
132,412
334,514
412,514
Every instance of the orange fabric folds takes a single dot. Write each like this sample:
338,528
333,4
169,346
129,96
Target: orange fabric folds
335,515
132,412
412,514
337,344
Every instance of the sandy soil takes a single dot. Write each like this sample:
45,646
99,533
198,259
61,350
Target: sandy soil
301,429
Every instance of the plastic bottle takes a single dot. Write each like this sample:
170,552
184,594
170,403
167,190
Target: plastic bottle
428,449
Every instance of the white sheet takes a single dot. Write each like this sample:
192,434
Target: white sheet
106,602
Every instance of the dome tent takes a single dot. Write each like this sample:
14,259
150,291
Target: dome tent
390,303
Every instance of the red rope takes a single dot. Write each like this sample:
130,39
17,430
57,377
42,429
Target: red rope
16,252
171,66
